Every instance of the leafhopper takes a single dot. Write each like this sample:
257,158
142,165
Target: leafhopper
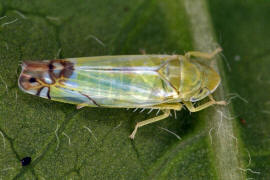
163,82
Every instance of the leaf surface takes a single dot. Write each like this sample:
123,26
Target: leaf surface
66,143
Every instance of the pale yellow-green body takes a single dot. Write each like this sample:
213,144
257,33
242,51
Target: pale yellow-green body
164,82
137,81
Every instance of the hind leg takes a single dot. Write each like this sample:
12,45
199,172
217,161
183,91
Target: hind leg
165,108
149,121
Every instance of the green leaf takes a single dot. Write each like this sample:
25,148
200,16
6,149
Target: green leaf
66,143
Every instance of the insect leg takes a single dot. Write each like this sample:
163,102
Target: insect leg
191,107
171,106
203,54
152,120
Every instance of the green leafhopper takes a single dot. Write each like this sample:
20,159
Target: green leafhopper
164,82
